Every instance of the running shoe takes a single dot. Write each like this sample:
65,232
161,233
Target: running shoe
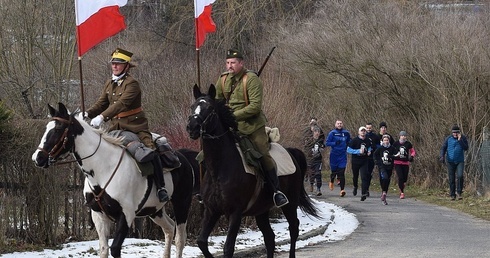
383,199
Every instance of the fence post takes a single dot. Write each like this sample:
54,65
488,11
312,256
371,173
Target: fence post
485,160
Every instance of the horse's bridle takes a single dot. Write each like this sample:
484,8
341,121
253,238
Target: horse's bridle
202,131
61,145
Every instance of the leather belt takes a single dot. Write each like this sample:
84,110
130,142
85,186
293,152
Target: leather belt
129,113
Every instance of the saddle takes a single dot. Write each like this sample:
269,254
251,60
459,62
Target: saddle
250,156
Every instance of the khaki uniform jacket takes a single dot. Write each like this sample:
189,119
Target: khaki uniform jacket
115,99
249,117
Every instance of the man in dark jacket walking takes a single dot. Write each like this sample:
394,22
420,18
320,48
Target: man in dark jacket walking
452,153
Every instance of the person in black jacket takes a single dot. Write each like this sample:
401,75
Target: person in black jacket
375,140
309,142
402,161
383,130
316,160
383,157
360,149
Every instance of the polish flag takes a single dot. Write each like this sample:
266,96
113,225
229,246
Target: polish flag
96,21
204,22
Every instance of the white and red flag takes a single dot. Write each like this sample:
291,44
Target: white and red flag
204,22
96,21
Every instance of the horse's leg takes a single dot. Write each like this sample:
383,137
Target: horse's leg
183,179
122,229
103,227
167,225
264,225
181,211
235,220
291,214
207,224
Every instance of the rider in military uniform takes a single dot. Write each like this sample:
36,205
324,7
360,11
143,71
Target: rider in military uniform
120,103
246,103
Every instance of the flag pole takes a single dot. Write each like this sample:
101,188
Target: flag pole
81,85
198,68
198,63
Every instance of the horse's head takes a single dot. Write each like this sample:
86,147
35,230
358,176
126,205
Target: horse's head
58,138
209,114
202,110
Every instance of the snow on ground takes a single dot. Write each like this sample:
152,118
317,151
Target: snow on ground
338,223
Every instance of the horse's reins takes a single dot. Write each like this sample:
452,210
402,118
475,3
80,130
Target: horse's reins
97,197
60,145
202,131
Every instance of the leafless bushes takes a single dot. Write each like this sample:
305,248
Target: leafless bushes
418,69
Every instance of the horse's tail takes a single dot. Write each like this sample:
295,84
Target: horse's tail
305,202
300,158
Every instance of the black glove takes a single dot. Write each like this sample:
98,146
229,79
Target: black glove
441,159
410,159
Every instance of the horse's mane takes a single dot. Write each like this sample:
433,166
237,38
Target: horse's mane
226,115
118,141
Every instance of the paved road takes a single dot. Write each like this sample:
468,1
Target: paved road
403,228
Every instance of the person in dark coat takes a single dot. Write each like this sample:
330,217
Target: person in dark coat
452,153
360,150
308,144
383,130
402,161
383,157
316,160
375,140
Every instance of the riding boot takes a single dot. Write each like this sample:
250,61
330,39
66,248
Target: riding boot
279,197
159,182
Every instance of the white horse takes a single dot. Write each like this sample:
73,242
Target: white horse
114,187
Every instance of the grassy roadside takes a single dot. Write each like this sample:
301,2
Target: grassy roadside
477,206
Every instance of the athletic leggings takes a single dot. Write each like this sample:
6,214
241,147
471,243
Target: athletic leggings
385,177
361,169
316,174
402,173
340,174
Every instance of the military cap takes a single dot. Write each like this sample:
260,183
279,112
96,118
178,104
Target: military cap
233,53
121,56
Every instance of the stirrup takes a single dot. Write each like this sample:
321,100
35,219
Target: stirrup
283,201
162,195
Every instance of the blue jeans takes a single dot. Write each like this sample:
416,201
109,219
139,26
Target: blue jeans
455,171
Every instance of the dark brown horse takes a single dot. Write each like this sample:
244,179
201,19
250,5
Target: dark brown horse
228,190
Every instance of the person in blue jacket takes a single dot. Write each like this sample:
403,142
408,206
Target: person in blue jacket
452,153
338,139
